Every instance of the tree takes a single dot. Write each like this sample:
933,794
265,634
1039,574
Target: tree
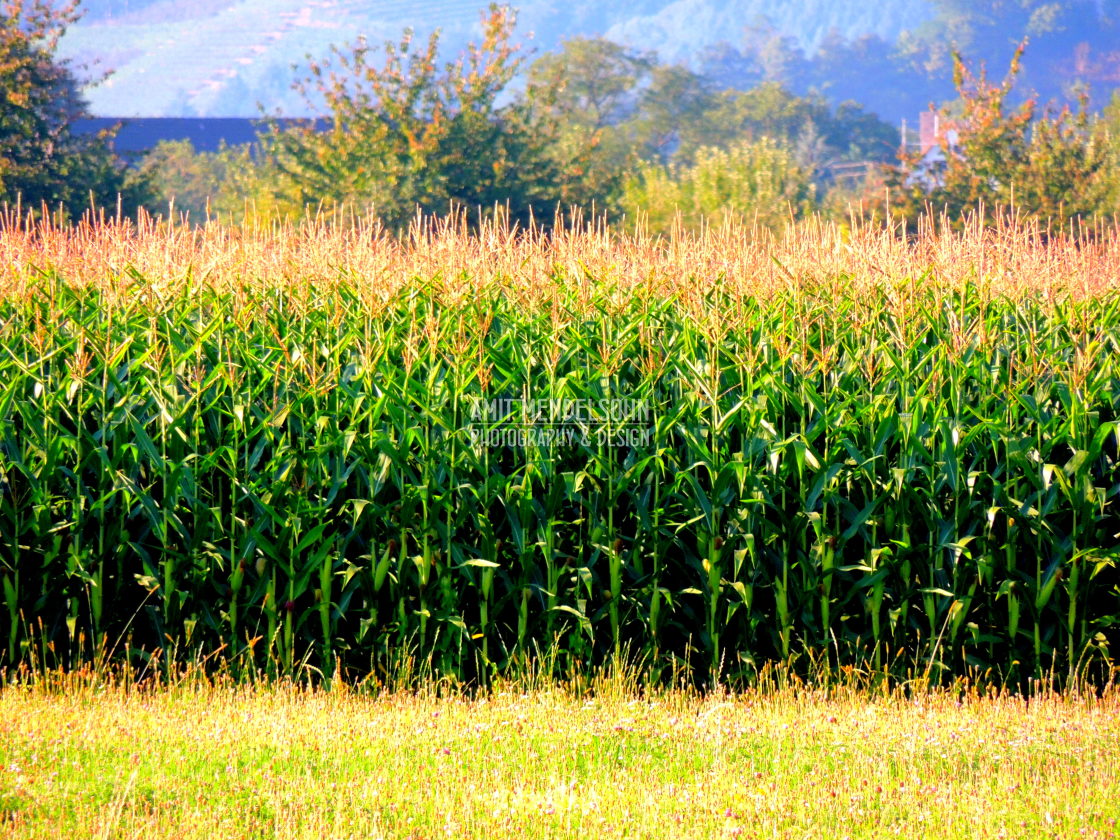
673,112
43,161
1058,29
1050,165
860,135
591,81
869,70
778,57
1107,132
414,135
586,96
753,181
766,55
820,134
227,183
727,68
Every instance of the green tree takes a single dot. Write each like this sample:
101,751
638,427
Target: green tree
618,109
43,161
819,137
229,183
587,96
674,112
777,57
1108,133
591,81
859,135
767,110
412,134
756,181
771,110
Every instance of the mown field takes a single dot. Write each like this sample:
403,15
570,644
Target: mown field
320,449
84,757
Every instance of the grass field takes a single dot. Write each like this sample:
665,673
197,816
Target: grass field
83,758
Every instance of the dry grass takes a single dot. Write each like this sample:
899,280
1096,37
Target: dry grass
205,760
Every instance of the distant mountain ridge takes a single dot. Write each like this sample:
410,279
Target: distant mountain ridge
679,28
220,58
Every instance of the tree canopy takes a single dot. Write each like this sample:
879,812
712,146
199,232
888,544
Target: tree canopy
414,134
1051,163
43,161
600,125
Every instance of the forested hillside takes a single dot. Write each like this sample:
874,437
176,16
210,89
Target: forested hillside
892,56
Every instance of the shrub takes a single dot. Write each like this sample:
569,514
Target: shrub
755,181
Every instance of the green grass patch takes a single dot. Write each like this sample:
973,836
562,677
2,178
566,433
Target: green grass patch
201,759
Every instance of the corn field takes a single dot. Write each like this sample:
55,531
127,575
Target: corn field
322,446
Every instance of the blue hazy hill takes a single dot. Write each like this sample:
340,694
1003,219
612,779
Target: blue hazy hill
187,58
226,58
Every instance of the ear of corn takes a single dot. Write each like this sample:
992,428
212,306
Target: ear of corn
899,472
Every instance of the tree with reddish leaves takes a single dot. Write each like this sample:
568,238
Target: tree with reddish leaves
1049,163
43,161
